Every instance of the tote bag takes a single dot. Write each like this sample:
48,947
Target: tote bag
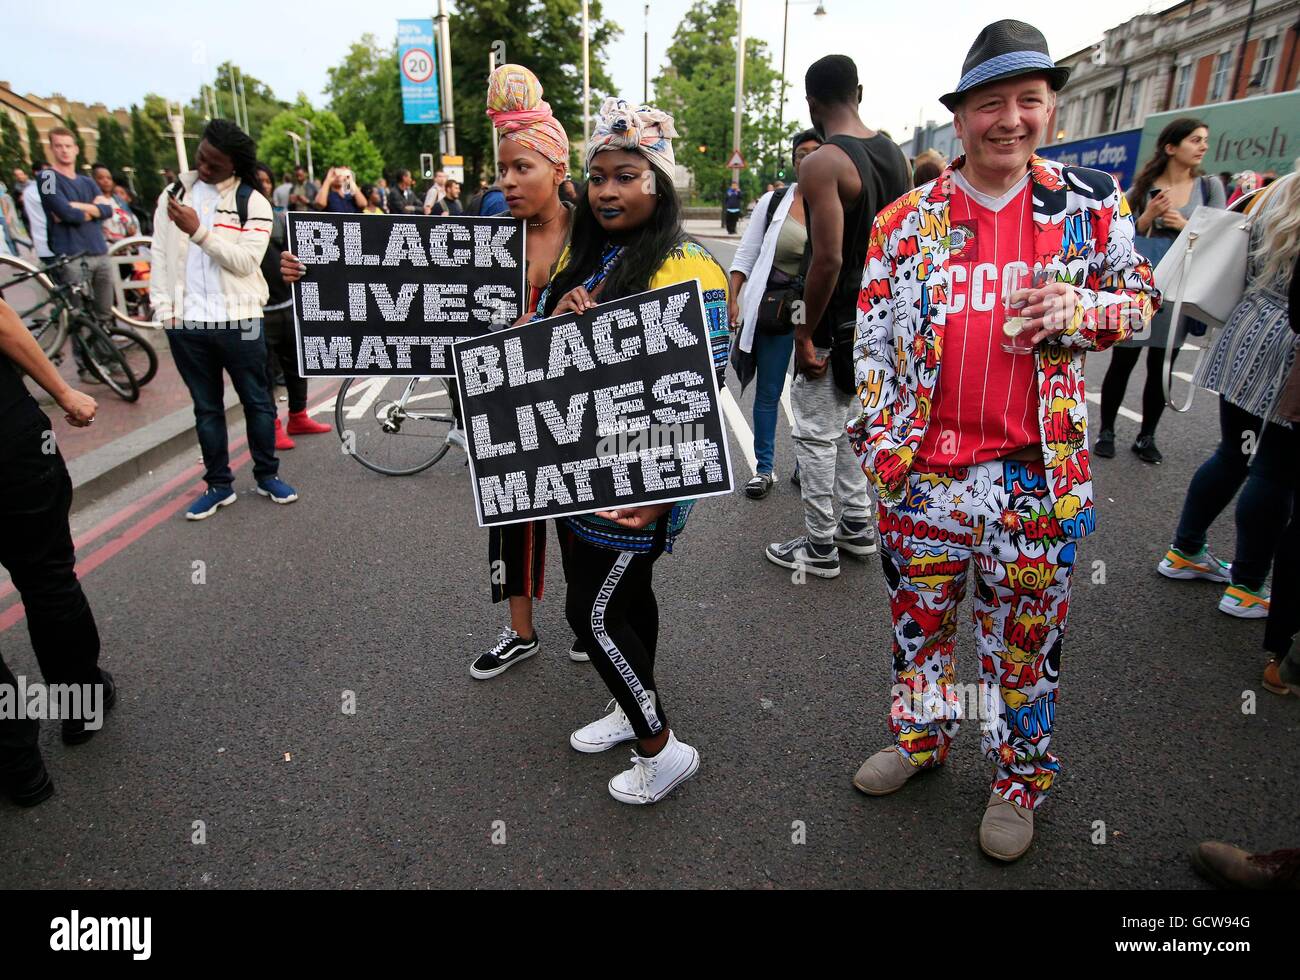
1204,275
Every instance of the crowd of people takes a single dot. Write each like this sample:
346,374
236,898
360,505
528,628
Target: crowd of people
870,273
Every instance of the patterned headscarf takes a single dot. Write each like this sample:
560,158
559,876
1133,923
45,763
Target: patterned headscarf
514,103
646,129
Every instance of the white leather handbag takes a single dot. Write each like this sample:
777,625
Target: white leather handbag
1204,275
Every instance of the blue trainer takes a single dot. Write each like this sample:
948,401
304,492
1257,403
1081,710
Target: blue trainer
277,490
207,504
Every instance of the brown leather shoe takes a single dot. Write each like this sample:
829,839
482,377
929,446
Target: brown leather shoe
1226,866
1007,830
884,773
1273,679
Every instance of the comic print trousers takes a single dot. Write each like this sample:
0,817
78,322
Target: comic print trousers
997,518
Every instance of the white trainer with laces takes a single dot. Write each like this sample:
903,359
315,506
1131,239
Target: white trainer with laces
651,779
605,733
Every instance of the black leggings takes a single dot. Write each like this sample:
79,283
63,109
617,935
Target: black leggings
1122,361
612,609
278,325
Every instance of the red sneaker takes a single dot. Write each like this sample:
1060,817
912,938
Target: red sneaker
282,440
301,424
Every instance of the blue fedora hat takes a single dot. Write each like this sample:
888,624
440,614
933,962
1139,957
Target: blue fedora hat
1004,50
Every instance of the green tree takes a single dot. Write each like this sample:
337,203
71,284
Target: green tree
145,141
541,34
365,89
357,151
11,149
113,150
327,132
698,87
35,148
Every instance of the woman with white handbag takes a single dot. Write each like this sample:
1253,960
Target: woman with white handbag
1247,367
766,280
1166,191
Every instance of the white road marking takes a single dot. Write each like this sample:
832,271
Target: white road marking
1127,413
739,428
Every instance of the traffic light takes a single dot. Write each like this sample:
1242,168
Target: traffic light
426,165
780,174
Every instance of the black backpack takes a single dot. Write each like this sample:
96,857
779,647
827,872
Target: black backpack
772,202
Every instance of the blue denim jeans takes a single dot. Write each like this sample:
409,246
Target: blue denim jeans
771,361
202,351
1264,506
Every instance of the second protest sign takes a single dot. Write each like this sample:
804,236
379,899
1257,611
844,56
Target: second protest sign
617,407
389,294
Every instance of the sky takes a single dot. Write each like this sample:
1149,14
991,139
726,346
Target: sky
86,53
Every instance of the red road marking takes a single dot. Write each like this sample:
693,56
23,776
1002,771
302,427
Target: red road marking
16,613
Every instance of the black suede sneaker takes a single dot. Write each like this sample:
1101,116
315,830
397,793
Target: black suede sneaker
1146,450
759,486
75,731
1105,447
508,650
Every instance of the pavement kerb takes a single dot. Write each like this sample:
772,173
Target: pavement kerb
112,466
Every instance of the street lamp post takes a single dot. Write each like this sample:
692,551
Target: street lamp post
738,112
785,31
586,79
444,56
311,171
297,160
646,56
496,141
177,120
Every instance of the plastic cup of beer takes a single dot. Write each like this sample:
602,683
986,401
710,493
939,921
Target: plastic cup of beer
1017,280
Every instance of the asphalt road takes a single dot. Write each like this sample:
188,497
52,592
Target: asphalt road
231,713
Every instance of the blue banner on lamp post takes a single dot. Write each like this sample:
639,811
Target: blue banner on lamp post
418,64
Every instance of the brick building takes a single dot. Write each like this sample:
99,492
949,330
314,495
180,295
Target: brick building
1187,55
46,113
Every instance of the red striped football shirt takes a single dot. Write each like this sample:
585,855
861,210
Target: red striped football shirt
985,403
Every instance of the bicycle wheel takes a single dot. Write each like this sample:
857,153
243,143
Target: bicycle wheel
105,361
394,426
139,353
131,262
33,295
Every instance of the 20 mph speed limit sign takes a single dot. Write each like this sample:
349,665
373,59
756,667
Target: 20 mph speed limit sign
417,65
419,72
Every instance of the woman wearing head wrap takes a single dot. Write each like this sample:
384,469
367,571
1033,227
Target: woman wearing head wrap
533,161
627,238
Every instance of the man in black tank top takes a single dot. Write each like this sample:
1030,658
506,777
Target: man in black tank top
845,183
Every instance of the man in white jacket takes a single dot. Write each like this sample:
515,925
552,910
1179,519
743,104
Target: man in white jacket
211,229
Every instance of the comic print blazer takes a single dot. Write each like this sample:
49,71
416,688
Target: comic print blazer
1083,235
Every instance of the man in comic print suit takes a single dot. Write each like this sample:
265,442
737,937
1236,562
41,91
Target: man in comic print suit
975,435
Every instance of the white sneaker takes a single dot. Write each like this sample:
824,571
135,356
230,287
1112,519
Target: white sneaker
650,780
577,654
605,733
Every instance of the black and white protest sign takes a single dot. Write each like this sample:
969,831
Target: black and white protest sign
616,407
388,294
